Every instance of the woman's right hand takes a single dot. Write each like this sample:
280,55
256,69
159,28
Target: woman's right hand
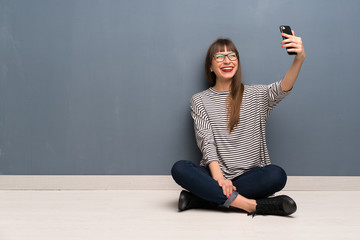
227,186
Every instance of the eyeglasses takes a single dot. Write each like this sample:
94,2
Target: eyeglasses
221,57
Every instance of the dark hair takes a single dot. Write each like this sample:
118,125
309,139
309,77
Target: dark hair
237,88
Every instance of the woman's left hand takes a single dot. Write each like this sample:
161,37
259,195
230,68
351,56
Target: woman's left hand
296,43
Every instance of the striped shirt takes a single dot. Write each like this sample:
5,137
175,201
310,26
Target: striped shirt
245,147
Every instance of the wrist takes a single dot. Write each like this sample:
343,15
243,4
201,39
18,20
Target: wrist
300,58
220,178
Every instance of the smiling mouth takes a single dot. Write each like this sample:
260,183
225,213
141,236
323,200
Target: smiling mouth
227,69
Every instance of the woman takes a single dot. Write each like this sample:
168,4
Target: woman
229,121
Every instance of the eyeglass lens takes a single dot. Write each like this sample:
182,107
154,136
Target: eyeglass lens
221,57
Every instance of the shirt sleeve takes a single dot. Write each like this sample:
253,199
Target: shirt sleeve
203,132
275,94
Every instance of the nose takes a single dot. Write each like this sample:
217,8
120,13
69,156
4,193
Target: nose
227,59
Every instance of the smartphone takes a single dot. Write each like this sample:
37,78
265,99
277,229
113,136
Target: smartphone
286,29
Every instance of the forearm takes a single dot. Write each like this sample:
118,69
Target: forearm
293,44
290,77
215,171
225,184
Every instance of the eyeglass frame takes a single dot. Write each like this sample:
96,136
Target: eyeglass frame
225,55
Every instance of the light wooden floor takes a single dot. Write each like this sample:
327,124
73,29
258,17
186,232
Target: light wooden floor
130,214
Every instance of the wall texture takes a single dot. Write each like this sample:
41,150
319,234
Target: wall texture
103,87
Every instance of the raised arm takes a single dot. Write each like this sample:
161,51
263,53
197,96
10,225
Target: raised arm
289,79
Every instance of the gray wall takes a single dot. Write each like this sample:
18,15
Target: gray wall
103,87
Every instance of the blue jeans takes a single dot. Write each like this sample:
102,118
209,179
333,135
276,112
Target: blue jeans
256,183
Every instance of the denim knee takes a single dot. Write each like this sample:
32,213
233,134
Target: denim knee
278,177
179,169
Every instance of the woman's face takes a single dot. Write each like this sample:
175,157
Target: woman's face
227,68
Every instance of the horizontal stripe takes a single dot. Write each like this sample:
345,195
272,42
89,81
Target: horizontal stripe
245,147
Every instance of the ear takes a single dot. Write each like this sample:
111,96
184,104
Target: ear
211,69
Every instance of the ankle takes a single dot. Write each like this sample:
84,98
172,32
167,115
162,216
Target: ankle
243,203
251,206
